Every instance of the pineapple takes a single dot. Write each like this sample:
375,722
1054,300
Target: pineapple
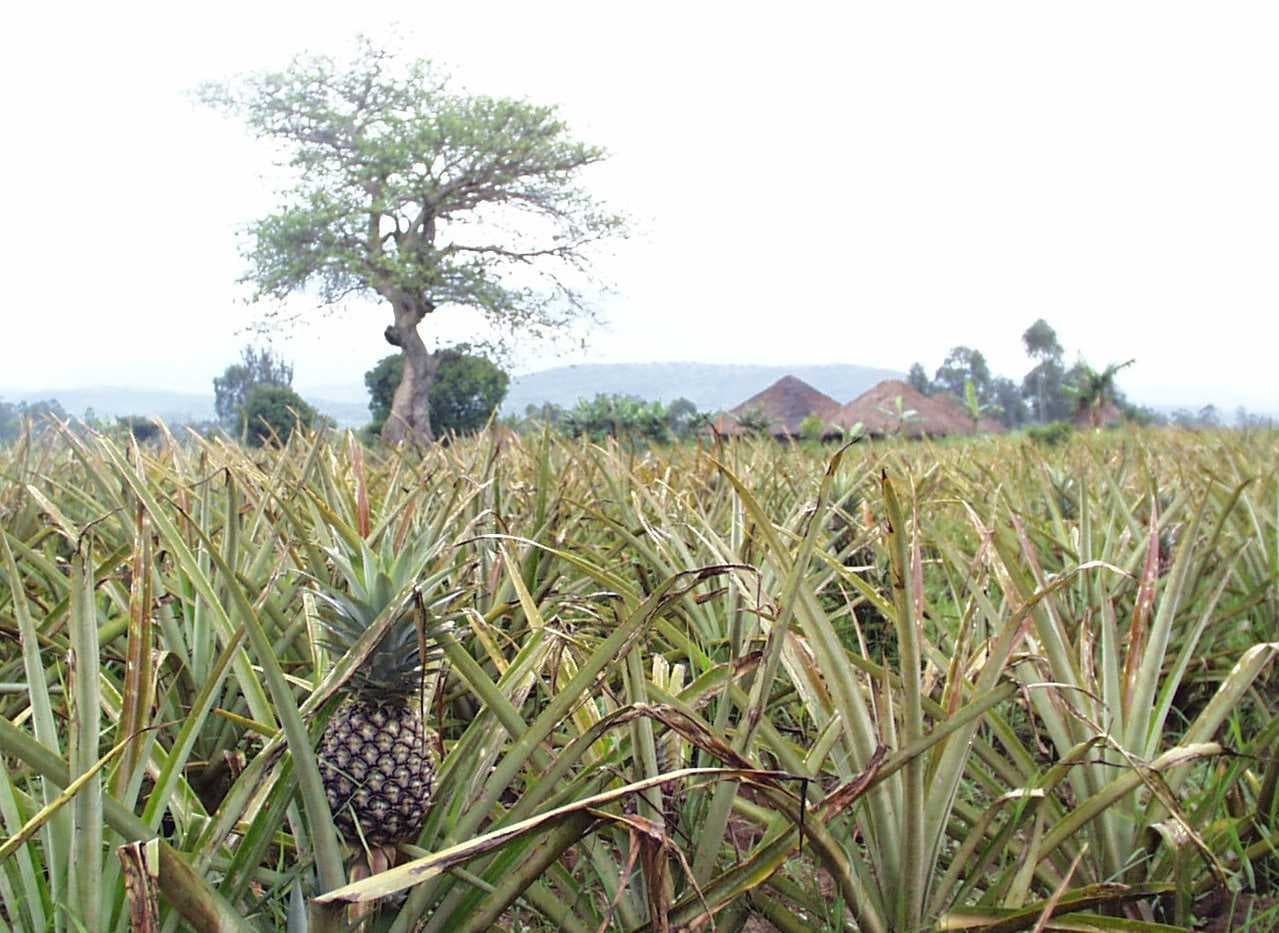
378,757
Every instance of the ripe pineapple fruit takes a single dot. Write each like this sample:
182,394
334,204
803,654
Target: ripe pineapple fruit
377,756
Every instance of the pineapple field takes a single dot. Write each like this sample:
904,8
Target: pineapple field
530,683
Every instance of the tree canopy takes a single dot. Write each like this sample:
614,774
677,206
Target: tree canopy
425,197
274,411
1094,390
231,389
1041,343
14,415
961,366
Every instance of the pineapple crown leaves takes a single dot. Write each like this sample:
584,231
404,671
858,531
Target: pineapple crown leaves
377,582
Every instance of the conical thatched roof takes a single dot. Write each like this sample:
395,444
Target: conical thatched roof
877,410
784,404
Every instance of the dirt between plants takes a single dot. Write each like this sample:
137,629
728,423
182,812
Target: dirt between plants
1225,912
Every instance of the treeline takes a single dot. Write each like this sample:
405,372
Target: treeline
17,417
1048,392
623,416
14,416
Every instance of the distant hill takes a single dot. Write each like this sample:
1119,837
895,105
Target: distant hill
710,386
173,407
115,401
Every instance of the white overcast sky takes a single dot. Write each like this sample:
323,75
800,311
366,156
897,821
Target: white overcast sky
865,183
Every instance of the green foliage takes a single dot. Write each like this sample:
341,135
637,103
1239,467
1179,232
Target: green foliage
544,414
467,389
381,381
975,408
1093,391
755,423
1052,434
272,412
1041,343
684,419
15,415
232,388
812,428
918,379
620,416
900,413
961,366
1043,386
1008,403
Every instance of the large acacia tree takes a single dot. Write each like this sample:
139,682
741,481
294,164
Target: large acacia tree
422,196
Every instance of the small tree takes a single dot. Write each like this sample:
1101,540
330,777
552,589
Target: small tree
683,418
1043,384
919,380
755,422
15,416
423,197
900,413
1041,343
812,428
231,389
1093,391
974,406
141,428
274,411
547,412
961,365
1008,403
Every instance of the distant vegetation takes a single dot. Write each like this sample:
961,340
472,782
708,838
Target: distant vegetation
626,417
255,400
1048,392
14,416
257,367
271,413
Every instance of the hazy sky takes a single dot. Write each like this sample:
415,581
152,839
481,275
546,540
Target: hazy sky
865,183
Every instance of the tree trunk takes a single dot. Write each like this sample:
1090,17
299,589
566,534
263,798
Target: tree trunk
410,417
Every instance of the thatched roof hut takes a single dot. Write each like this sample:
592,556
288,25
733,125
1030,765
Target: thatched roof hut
783,405
885,409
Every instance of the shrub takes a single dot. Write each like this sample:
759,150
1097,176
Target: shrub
812,428
232,388
622,416
274,411
1051,435
142,428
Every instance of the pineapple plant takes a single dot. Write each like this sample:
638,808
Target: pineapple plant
378,757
